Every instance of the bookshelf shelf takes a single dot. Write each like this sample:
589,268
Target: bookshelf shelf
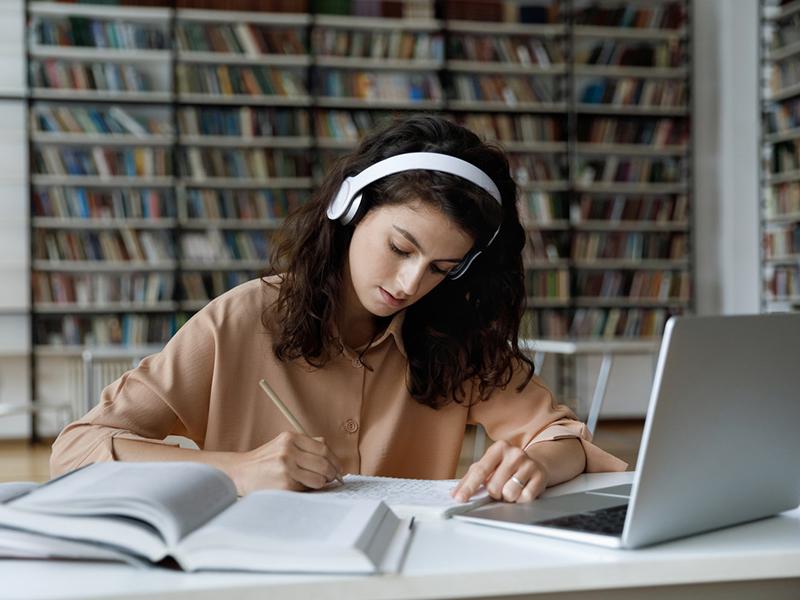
381,64
547,225
87,139
243,99
233,141
247,182
92,181
631,149
230,16
471,66
39,93
223,265
363,103
100,54
74,350
526,107
637,72
102,266
231,223
132,13
784,52
773,178
783,136
784,93
602,187
628,33
98,223
631,264
598,225
615,109
377,23
104,308
231,58
782,218
529,29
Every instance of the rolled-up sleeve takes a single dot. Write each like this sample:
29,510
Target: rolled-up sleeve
531,416
167,394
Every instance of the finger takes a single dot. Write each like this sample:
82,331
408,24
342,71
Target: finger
318,447
477,474
515,484
308,479
318,465
535,486
511,464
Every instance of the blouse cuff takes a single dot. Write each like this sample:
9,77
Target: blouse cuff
597,460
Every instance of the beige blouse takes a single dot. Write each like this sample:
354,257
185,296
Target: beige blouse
204,385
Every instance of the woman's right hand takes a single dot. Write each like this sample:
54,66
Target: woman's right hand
290,461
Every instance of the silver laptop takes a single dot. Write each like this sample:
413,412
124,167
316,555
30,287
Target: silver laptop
720,444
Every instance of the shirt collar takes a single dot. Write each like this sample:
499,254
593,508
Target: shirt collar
394,329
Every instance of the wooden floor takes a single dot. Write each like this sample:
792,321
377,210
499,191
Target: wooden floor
20,461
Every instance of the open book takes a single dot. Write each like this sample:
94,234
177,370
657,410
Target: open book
190,512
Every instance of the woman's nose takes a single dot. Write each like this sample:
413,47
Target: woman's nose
410,277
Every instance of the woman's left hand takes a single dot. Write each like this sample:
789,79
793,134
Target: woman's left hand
508,474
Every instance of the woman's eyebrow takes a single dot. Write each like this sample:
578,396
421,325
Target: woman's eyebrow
413,240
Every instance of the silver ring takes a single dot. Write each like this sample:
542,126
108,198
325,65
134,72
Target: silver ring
516,480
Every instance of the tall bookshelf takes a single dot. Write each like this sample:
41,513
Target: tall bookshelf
780,164
212,124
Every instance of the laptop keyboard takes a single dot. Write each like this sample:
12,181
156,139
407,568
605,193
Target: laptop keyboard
607,521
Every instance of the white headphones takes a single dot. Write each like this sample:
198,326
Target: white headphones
345,204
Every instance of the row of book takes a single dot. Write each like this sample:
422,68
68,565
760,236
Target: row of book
141,161
204,286
634,285
258,163
83,203
228,80
116,245
542,207
787,34
553,285
215,245
782,199
620,169
84,289
111,77
240,38
530,168
613,209
243,204
785,74
244,121
655,133
514,128
785,157
651,54
76,31
126,330
508,89
628,91
505,49
623,323
666,15
782,241
98,289
783,281
629,245
782,117
96,120
618,323
373,85
375,44
346,125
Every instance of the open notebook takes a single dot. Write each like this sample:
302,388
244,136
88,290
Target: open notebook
421,498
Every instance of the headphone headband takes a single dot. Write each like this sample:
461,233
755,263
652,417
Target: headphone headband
345,204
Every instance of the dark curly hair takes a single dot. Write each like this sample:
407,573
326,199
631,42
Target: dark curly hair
465,330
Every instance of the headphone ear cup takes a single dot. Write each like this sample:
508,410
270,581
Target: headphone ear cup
339,205
462,267
352,209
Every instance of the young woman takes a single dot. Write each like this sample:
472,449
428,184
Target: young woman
389,323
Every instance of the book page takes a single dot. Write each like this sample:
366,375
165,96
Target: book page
14,489
173,497
419,497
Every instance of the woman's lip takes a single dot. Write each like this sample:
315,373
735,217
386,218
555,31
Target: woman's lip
389,299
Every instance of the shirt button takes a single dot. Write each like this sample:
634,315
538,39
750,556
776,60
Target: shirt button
357,363
350,426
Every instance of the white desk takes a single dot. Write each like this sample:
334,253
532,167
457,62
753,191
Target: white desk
448,559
